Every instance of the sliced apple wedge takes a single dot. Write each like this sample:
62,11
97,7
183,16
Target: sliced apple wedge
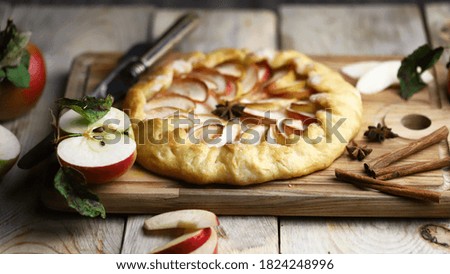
291,126
264,72
264,116
187,243
211,246
9,150
213,80
193,89
305,117
304,106
185,218
230,69
267,104
161,112
174,101
248,81
281,79
101,151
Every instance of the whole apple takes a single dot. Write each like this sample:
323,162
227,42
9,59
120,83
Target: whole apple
18,96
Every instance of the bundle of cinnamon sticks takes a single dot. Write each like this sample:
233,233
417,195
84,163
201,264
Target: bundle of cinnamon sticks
380,170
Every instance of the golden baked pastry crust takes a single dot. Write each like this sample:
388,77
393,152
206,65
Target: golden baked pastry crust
238,163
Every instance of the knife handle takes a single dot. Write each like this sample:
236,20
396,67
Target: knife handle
184,25
38,153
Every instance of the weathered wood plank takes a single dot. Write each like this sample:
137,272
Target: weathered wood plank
219,28
394,29
438,24
62,33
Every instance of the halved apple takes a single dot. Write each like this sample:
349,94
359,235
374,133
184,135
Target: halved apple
9,150
185,218
305,117
193,89
188,243
101,151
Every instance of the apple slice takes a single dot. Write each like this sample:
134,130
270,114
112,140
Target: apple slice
101,151
185,218
9,150
264,116
294,87
267,104
174,101
304,106
205,132
282,80
193,89
161,112
211,245
187,243
213,80
264,72
358,69
291,126
248,81
305,117
230,134
230,69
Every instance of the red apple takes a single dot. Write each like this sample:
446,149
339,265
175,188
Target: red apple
101,151
188,243
9,150
15,101
185,218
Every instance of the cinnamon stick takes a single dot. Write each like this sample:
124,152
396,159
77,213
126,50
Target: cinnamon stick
405,151
393,172
387,187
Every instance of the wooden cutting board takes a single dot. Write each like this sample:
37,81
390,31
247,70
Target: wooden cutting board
318,194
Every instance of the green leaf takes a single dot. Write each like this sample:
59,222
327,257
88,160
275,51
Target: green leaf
413,66
2,74
71,184
18,76
91,108
12,45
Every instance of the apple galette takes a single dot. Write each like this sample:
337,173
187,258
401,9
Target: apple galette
237,117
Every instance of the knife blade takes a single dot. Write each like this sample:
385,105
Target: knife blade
119,80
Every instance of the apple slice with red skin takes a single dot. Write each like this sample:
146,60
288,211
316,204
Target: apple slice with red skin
101,151
9,150
211,246
184,218
266,117
230,69
305,117
264,72
189,242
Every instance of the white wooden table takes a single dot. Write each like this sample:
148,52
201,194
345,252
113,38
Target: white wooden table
64,32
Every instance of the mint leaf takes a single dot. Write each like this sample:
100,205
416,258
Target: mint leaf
18,76
12,45
91,108
71,184
413,66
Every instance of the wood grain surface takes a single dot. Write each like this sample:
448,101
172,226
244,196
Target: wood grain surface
62,33
389,29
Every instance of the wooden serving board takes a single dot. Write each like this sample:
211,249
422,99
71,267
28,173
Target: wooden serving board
318,194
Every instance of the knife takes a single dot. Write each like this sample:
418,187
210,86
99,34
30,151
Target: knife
125,74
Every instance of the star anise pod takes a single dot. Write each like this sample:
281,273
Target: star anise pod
379,133
358,152
228,111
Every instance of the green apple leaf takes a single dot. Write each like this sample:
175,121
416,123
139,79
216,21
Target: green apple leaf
71,184
91,108
413,66
18,76
12,45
